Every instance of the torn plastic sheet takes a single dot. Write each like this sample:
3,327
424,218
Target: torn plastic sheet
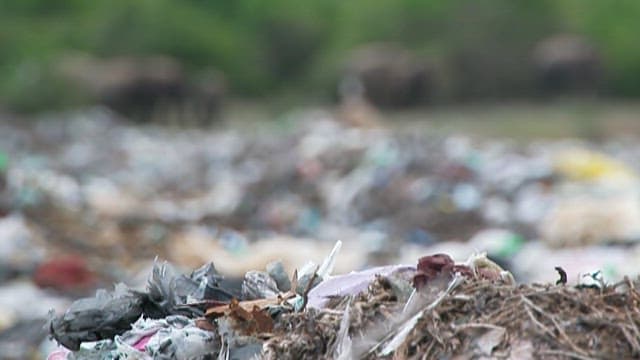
350,284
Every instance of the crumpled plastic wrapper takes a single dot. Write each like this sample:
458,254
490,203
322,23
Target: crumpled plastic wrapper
170,292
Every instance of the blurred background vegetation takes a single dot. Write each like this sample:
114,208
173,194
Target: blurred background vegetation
284,48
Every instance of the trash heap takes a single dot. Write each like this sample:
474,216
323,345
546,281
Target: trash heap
87,200
88,182
436,309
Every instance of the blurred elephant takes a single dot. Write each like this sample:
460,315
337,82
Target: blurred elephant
144,88
387,76
567,64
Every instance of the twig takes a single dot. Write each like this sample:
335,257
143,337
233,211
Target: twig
565,337
535,321
501,312
535,292
555,323
566,354
475,325
630,283
579,301
632,340
427,352
436,336
633,323
532,305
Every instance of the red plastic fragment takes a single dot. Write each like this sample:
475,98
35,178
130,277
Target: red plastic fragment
431,267
438,266
69,273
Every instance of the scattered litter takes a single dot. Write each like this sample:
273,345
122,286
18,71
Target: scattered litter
78,214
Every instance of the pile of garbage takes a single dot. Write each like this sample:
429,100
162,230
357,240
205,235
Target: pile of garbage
87,200
88,182
435,309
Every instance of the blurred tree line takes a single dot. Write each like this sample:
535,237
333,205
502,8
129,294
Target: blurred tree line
280,46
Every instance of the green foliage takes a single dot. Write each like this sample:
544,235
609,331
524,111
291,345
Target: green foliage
271,47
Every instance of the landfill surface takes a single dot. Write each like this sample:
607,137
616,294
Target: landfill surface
322,241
